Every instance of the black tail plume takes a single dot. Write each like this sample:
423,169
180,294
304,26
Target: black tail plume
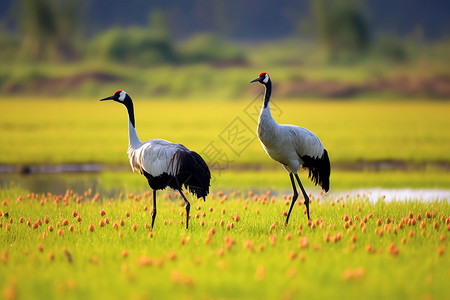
319,169
194,173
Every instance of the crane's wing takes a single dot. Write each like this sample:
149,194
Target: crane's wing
155,157
171,165
305,142
313,154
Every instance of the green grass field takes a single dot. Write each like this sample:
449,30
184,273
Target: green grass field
87,130
92,240
50,131
236,248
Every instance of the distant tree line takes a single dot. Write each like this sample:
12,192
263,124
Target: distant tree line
52,30
56,30
49,29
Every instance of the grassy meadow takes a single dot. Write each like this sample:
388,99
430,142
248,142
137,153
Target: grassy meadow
52,131
381,111
87,130
74,246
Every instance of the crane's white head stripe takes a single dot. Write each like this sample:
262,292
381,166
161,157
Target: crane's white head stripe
266,78
122,96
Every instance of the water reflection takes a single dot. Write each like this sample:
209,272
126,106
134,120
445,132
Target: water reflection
57,183
111,184
403,194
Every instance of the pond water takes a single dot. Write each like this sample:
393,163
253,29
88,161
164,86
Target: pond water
58,183
374,194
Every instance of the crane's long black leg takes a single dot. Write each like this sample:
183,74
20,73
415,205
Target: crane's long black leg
294,198
154,208
304,195
188,207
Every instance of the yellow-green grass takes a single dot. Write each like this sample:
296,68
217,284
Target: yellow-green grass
352,248
278,179
46,131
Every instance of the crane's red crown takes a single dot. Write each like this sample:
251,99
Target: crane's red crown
262,74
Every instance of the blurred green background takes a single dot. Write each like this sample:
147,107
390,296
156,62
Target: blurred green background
319,48
370,78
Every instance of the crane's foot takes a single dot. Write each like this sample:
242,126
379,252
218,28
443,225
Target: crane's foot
188,208
307,208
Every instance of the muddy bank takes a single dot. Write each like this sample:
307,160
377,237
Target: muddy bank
433,87
42,85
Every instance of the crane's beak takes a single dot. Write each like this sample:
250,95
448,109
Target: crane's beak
255,80
108,98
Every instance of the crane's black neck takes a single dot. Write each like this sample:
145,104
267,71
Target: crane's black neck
268,86
134,141
129,105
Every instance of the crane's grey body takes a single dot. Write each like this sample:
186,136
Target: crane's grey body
293,147
287,144
155,157
163,163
